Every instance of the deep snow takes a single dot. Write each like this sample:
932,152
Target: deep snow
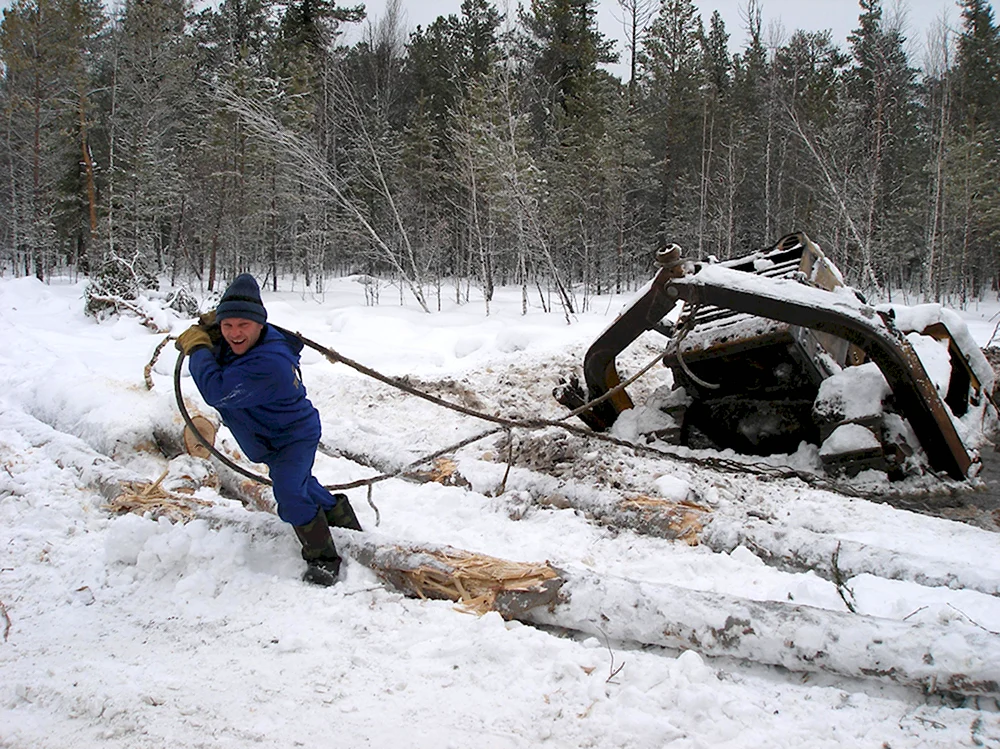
132,632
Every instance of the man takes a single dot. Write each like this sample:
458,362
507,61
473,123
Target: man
251,377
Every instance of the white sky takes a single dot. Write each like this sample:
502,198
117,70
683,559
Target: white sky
840,16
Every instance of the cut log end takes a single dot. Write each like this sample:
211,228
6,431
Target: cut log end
192,445
476,582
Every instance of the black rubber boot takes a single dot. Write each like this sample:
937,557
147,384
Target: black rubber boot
322,559
341,515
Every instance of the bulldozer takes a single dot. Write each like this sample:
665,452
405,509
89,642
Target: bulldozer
773,349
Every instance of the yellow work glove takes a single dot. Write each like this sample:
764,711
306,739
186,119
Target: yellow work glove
207,322
191,339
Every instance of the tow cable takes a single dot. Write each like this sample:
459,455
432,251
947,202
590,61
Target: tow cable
502,425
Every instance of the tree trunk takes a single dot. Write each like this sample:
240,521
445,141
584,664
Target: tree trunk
88,168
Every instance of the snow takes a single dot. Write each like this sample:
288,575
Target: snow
130,632
849,438
853,393
969,335
673,488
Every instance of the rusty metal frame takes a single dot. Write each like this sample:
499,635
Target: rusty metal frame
817,309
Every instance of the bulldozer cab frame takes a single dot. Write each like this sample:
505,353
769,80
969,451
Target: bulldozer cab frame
770,327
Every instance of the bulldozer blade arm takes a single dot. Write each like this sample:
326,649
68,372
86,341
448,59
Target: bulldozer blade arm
599,370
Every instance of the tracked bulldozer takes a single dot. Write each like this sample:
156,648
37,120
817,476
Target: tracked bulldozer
773,349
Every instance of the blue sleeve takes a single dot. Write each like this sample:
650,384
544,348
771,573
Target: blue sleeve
251,380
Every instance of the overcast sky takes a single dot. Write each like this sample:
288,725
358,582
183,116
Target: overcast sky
839,16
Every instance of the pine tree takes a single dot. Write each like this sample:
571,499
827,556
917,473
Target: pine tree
883,142
47,48
805,191
445,58
976,149
672,73
233,185
573,100
717,188
978,67
753,125
153,82
566,50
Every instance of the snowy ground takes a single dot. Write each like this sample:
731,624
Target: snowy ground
129,632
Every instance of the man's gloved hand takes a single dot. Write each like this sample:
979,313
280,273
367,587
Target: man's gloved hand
191,339
206,321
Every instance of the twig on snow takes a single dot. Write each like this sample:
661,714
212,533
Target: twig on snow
838,579
973,621
371,503
975,728
915,611
364,590
510,462
611,668
7,622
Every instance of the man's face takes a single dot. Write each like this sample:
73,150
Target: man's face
240,334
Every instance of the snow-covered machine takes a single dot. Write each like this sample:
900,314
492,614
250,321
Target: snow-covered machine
772,350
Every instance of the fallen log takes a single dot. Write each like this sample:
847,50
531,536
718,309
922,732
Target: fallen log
673,519
123,489
932,657
955,658
253,494
676,520
793,549
442,470
786,548
799,550
97,471
477,582
176,438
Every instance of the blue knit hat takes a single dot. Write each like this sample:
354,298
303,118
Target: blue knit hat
242,299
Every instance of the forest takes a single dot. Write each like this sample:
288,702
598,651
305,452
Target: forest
155,142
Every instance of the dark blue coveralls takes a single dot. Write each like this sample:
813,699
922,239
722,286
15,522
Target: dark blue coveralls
262,400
